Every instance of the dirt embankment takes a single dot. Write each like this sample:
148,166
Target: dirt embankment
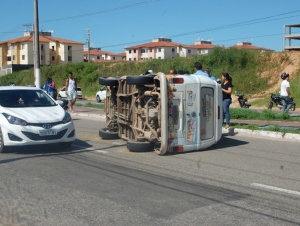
288,62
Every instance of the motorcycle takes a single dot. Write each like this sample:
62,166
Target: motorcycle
243,101
277,101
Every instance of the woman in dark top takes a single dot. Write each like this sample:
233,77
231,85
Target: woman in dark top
226,90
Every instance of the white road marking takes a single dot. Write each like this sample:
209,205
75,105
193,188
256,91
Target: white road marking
101,151
276,188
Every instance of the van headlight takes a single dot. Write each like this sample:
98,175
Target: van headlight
67,118
14,120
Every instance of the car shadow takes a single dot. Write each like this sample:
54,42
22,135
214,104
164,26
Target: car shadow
55,149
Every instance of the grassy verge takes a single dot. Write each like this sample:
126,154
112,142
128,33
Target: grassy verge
268,115
272,128
90,105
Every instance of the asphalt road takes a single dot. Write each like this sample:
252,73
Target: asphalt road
241,180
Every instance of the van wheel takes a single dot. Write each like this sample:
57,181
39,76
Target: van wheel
139,80
108,81
135,146
106,133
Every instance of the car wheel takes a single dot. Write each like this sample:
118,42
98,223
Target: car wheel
139,80
135,146
106,133
293,107
98,99
65,144
3,148
108,81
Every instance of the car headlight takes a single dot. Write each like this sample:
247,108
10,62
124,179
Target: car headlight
67,118
14,120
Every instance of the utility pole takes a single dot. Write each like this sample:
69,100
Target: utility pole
37,73
88,42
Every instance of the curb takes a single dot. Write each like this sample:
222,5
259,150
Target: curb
89,115
290,136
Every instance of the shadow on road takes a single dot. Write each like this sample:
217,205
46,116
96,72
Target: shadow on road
227,142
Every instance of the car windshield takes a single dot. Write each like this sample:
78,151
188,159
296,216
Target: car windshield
25,98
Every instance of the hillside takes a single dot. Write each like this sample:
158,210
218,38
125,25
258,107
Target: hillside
254,74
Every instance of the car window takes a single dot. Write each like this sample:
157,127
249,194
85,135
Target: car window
78,89
102,88
63,89
25,98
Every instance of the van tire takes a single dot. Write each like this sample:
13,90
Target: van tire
139,80
108,81
107,134
135,146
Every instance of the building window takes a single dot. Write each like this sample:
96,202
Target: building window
53,58
134,59
173,50
9,58
189,51
69,48
114,58
150,50
134,51
159,50
42,46
13,46
150,57
23,57
143,51
52,48
129,51
14,57
69,58
43,57
22,46
159,58
129,58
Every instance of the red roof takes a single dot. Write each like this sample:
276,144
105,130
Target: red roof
42,38
101,52
249,47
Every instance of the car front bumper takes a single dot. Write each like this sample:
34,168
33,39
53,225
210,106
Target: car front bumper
15,135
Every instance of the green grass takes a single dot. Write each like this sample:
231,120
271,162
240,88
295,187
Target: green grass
90,105
272,128
269,115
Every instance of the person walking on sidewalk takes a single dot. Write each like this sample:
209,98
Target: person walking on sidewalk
226,90
285,93
71,90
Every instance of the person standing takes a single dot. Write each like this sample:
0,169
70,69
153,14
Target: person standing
50,87
198,69
226,90
285,93
71,90
207,71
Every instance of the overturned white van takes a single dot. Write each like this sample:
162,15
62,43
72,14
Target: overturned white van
152,112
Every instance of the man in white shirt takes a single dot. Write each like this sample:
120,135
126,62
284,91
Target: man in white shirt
285,93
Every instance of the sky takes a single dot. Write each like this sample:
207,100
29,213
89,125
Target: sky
116,24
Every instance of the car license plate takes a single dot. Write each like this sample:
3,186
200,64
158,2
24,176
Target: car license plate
48,132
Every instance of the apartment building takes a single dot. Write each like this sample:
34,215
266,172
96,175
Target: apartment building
291,37
164,48
96,54
53,50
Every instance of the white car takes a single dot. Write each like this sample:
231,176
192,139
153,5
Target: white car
101,94
62,93
29,116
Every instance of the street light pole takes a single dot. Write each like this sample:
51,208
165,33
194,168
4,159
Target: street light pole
37,74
